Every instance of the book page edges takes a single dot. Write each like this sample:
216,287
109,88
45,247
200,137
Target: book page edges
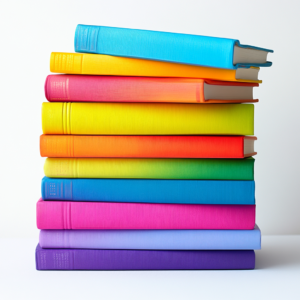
230,101
250,154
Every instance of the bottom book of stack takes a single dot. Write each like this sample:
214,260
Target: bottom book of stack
147,249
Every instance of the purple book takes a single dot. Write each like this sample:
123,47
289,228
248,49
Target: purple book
87,259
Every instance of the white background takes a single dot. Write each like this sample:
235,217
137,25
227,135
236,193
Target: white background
30,30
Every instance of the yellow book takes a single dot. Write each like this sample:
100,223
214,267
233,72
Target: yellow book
97,64
147,119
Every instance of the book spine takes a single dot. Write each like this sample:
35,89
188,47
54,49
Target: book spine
57,190
150,191
152,239
110,215
90,64
142,146
83,259
58,145
122,89
70,63
186,49
57,215
147,119
153,168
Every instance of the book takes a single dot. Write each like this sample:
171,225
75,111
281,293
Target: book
85,88
166,46
150,190
89,259
111,215
147,146
147,119
97,64
152,239
150,168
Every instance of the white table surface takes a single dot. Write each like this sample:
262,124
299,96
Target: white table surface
277,276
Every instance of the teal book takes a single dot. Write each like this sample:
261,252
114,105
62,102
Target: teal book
189,49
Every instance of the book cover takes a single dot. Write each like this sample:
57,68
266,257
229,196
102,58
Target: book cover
150,190
150,168
97,64
152,239
85,88
166,46
88,259
145,146
111,215
147,119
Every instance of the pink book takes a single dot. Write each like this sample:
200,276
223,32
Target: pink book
84,88
108,215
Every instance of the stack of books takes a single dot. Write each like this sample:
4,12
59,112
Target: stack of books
149,163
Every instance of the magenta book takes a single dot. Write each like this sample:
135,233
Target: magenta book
84,88
109,215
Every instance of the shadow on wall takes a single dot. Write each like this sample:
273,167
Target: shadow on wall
278,254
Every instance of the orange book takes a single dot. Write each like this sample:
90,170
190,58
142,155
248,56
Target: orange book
97,64
147,146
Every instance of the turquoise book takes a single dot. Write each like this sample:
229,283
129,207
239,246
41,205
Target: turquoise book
180,48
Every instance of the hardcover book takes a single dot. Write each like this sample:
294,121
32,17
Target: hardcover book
150,190
147,146
152,239
147,119
151,168
87,259
111,215
167,46
97,64
84,88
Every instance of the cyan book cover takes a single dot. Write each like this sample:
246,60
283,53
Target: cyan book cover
163,46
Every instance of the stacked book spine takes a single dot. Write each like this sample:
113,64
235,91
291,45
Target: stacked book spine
149,163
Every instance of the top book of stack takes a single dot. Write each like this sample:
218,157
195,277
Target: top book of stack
188,49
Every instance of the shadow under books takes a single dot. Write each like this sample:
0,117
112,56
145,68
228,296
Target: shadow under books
283,254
